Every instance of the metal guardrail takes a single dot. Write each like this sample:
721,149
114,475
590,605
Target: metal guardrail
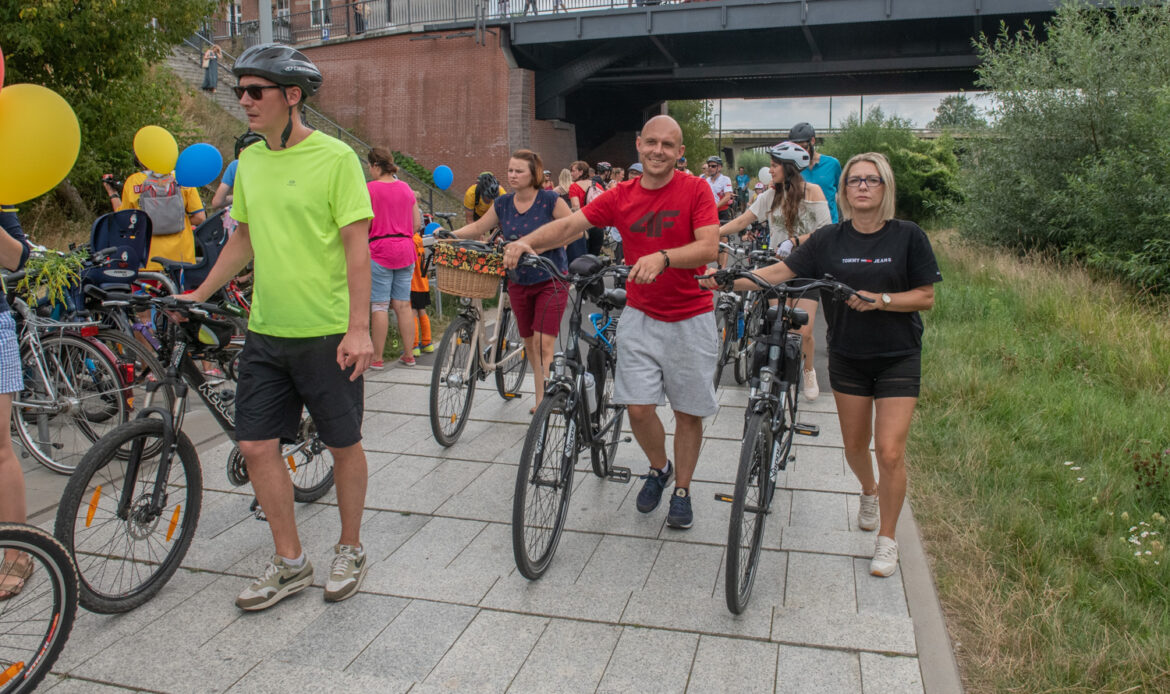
338,20
318,120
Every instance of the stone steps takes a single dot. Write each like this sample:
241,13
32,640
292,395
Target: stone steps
186,63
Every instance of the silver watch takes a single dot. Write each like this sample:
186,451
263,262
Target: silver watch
886,300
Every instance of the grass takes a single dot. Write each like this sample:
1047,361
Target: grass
1036,382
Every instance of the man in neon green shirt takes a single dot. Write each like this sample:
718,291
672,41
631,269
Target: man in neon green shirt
304,215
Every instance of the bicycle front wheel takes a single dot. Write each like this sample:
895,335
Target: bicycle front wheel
452,383
125,544
511,362
73,395
34,622
544,483
608,414
749,508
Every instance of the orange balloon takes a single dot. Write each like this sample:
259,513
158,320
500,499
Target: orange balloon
40,139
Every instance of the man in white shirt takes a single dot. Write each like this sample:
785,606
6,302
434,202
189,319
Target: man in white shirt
721,187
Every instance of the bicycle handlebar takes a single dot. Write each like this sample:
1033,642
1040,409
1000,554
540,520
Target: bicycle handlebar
726,276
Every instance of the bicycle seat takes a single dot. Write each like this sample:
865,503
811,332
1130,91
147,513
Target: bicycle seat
586,265
170,265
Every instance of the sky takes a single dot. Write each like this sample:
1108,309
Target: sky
779,114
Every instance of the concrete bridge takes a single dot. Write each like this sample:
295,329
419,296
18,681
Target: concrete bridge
464,82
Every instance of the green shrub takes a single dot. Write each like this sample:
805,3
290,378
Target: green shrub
926,172
1077,160
408,164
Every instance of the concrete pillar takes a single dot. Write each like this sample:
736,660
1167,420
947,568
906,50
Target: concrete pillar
265,21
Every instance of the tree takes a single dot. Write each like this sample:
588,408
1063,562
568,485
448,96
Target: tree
99,57
957,112
1075,161
697,119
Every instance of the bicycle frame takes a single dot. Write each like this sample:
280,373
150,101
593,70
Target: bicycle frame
473,309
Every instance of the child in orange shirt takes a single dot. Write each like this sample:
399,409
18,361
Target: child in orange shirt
420,298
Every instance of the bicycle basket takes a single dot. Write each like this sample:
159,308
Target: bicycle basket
467,272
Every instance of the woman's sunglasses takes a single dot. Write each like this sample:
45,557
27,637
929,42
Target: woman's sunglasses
254,91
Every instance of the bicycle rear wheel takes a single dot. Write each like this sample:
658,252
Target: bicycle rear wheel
452,385
64,409
725,324
544,483
510,372
34,623
310,464
749,509
124,557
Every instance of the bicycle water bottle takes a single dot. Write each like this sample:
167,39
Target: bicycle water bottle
591,392
739,325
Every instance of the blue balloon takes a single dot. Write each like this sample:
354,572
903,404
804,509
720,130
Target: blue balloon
430,229
198,165
443,177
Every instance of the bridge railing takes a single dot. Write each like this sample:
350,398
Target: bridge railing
337,20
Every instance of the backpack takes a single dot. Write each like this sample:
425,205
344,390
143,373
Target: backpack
594,192
162,200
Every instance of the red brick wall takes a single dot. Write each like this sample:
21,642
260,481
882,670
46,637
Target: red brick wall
440,100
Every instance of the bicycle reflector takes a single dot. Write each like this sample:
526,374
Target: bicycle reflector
89,331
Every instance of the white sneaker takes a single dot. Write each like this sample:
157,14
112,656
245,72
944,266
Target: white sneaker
885,557
867,514
811,391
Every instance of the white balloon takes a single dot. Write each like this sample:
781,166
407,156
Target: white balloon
765,176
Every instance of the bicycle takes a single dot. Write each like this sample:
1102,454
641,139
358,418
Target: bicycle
577,413
777,363
461,359
35,623
737,315
129,511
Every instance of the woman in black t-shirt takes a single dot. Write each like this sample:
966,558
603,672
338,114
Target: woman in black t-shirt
874,348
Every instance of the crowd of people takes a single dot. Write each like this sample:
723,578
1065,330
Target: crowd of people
300,199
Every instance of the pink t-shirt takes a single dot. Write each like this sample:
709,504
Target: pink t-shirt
392,229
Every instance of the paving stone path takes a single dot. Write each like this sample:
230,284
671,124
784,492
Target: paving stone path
627,606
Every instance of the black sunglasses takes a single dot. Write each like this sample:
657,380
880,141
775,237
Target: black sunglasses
254,91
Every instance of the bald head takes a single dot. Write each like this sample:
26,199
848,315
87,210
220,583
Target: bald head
659,147
663,126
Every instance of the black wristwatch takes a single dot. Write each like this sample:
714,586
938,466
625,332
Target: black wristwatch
664,257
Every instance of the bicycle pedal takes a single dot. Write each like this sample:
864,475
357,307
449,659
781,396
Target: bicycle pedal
257,512
724,497
618,474
806,429
627,439
511,396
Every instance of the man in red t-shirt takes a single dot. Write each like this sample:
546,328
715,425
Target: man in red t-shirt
666,337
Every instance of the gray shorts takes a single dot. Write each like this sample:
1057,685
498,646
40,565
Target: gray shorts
659,360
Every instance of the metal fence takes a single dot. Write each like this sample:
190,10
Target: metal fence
337,20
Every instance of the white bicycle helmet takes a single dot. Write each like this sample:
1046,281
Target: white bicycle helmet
790,151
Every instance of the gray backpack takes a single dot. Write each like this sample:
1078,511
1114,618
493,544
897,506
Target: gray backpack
162,200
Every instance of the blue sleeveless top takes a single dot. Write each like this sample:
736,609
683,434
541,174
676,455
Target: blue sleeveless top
513,225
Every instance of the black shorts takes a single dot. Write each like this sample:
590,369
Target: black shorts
279,376
420,300
880,377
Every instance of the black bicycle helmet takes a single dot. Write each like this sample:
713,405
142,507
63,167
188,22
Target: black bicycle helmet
790,151
713,159
604,167
801,132
487,188
247,139
281,65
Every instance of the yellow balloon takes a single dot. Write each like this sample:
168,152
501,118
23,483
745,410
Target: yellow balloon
39,141
156,149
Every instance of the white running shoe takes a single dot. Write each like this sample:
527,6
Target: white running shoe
885,557
867,514
811,390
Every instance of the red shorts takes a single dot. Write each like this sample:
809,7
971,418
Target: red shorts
538,307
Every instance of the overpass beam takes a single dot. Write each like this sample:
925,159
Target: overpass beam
552,87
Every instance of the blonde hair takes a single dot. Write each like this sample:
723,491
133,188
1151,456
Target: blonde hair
565,179
888,190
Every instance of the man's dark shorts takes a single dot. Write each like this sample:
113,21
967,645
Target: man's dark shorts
280,375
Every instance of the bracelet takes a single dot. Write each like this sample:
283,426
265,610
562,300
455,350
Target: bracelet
664,257
115,195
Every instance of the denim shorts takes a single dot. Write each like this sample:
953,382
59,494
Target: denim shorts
11,376
390,285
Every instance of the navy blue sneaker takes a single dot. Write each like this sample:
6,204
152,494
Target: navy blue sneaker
680,515
656,481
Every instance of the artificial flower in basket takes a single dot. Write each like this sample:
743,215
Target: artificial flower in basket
449,255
